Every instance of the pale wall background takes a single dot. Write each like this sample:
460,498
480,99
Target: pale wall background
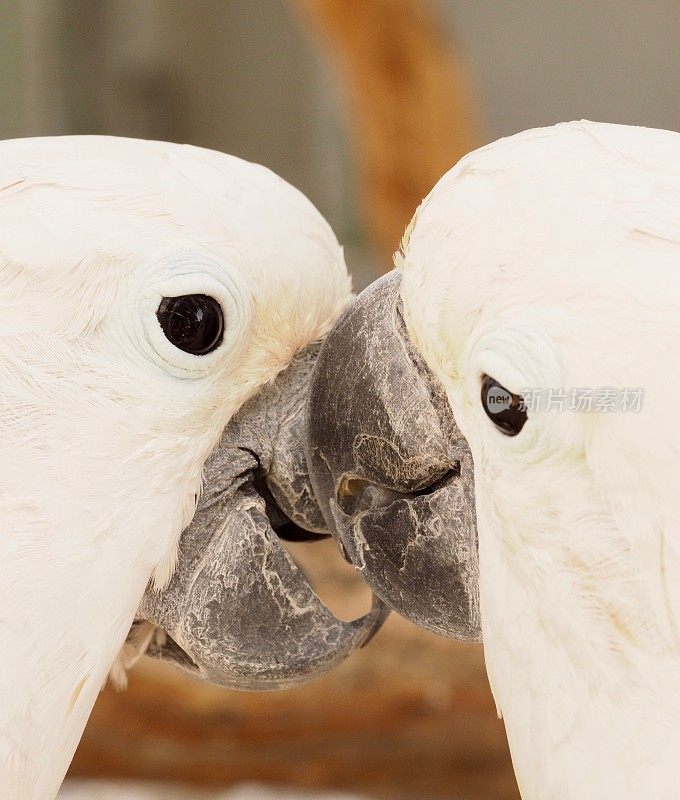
242,76
538,62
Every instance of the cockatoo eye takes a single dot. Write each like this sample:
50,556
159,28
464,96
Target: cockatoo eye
193,323
506,410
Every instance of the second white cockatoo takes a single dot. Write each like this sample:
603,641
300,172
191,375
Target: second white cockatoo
160,307
530,330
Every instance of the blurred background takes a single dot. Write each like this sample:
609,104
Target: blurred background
362,104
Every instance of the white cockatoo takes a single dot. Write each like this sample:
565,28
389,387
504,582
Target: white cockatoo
150,291
543,268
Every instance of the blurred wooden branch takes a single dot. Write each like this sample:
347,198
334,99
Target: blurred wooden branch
411,111
355,730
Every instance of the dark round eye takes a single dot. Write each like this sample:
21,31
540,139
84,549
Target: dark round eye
192,322
506,410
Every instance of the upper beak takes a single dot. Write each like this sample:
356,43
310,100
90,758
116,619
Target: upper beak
391,471
238,611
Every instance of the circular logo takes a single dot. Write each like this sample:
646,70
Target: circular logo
498,399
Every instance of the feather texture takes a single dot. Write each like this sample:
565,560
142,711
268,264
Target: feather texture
104,426
552,260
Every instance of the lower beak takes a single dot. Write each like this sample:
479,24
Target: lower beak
391,471
238,612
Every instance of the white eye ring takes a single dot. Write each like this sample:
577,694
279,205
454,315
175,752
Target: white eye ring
186,274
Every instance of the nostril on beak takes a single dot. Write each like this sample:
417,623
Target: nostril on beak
358,494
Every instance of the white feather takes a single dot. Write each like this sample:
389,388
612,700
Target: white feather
104,430
552,259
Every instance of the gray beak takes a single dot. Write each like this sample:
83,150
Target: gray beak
238,612
391,471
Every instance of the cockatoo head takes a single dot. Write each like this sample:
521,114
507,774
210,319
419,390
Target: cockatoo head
544,263
160,304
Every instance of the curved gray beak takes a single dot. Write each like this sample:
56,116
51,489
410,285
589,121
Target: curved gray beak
238,612
391,471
